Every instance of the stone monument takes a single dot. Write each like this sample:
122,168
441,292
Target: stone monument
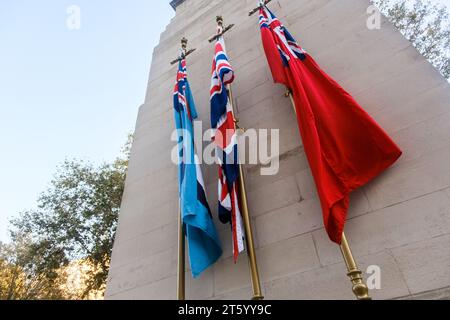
399,224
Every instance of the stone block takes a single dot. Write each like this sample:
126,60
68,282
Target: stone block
147,244
424,137
164,289
145,271
288,222
331,283
411,179
229,277
149,219
414,81
428,105
306,184
287,257
240,294
408,222
425,265
273,196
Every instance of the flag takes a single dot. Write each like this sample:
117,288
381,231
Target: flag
345,147
203,242
225,138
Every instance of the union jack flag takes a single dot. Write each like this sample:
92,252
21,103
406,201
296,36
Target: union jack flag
225,137
269,21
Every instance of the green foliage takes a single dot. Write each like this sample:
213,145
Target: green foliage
16,279
426,25
75,220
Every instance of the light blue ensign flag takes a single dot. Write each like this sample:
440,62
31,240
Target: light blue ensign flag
203,242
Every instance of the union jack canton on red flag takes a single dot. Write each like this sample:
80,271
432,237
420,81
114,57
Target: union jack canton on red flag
345,147
225,138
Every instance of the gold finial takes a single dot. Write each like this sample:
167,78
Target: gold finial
221,30
184,43
184,51
359,288
219,20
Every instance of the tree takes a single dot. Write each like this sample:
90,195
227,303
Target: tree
74,223
16,279
426,25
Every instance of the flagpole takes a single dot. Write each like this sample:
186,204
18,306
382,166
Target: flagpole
359,288
181,275
253,264
251,253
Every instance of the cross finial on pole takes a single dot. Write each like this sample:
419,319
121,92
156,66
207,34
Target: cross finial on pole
220,29
219,20
261,3
184,51
184,43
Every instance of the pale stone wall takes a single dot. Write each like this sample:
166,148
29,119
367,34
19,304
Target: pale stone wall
400,222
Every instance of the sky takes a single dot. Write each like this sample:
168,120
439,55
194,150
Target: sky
68,92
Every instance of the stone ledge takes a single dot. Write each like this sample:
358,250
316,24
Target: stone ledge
176,3
439,294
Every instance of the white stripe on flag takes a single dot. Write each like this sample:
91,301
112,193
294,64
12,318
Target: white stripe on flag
239,225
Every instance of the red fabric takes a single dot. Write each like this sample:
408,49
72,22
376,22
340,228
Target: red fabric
345,147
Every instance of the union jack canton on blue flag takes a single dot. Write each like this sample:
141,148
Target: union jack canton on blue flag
203,242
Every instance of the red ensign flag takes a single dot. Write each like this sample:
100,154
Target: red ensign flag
345,147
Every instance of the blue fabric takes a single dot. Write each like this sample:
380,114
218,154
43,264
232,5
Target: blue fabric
203,242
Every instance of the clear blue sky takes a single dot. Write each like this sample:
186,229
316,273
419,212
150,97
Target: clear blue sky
68,94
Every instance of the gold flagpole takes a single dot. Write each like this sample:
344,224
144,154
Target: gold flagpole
359,288
253,265
256,284
181,276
